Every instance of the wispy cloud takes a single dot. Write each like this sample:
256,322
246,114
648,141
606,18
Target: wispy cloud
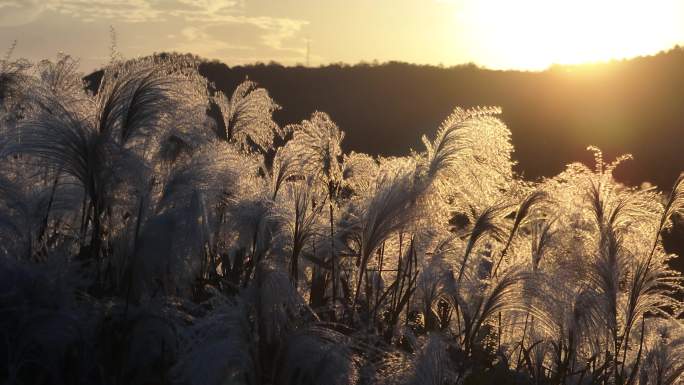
199,26
126,11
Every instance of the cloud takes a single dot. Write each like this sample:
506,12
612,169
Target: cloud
138,11
126,11
273,32
260,39
214,20
212,6
222,29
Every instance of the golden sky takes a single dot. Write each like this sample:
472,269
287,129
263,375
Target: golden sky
521,34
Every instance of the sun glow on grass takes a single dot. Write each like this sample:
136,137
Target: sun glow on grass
533,34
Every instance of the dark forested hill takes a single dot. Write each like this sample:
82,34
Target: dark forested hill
634,106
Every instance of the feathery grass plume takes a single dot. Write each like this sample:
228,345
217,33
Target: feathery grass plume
621,273
523,211
486,223
610,264
88,144
675,203
434,279
360,173
609,232
664,355
61,142
133,102
167,253
17,219
286,166
218,347
140,101
62,80
391,208
468,164
477,175
214,170
453,136
297,215
15,85
478,303
9,68
431,364
317,142
542,235
316,355
247,116
250,219
27,209
281,307
176,146
563,325
650,292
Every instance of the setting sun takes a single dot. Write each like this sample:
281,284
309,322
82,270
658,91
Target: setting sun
533,34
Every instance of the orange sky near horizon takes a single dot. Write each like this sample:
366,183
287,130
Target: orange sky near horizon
501,34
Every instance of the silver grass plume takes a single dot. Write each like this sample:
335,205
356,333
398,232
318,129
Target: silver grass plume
297,217
390,209
214,170
479,304
286,166
675,203
451,137
279,304
664,359
15,86
359,172
528,204
486,223
62,80
317,355
134,101
431,364
218,347
317,143
247,116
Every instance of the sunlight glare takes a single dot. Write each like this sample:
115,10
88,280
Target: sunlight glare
533,34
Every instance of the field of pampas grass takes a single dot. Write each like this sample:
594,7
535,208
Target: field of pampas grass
157,231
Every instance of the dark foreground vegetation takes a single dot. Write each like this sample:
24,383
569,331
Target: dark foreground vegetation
160,231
